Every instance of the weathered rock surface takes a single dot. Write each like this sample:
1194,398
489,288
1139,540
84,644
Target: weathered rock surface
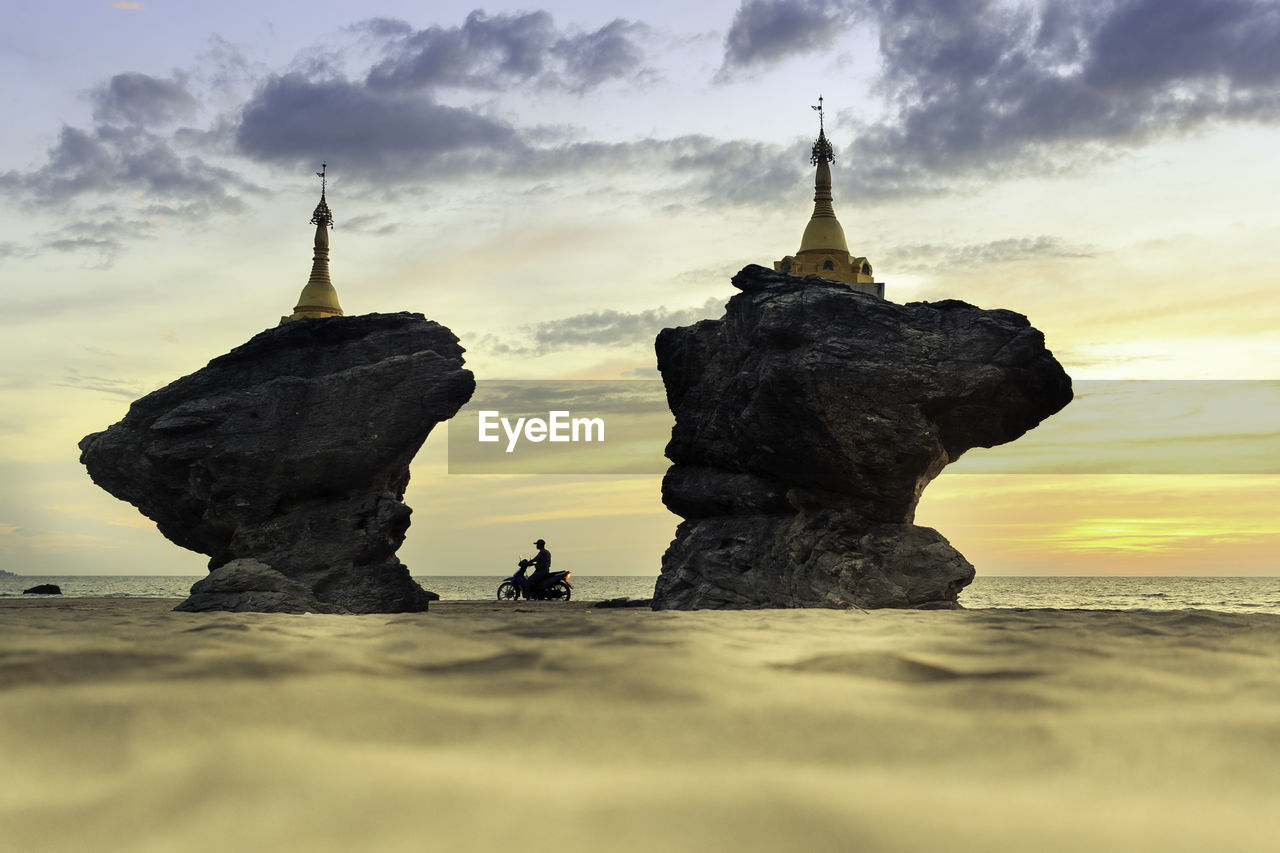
43,589
286,461
809,420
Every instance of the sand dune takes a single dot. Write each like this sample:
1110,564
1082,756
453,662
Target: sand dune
478,727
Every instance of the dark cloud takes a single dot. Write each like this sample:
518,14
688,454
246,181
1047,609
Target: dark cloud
110,161
389,137
977,85
599,328
368,131
609,53
765,32
1148,44
387,128
986,88
140,99
498,51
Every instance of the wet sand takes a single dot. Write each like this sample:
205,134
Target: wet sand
554,727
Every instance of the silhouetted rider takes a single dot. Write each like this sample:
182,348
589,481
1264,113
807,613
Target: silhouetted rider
541,565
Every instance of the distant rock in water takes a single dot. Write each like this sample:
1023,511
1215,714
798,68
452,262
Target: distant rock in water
809,420
44,589
286,461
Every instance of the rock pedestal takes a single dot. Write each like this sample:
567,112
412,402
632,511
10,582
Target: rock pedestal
809,420
286,461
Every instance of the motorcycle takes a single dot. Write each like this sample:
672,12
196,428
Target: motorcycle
556,587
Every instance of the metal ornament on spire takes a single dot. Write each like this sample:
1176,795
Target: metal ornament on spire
322,216
821,147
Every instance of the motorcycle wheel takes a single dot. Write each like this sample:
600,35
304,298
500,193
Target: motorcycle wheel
507,591
561,590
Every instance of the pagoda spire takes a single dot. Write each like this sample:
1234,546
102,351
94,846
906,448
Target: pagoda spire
823,251
319,298
824,231
821,147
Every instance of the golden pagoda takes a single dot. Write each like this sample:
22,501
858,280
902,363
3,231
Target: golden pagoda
318,298
823,249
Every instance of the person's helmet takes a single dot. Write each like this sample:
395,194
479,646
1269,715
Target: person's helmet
540,543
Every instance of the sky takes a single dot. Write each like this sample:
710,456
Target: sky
558,181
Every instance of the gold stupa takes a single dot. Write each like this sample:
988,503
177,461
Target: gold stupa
318,298
823,249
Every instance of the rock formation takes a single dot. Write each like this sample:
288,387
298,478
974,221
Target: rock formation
810,418
44,589
286,461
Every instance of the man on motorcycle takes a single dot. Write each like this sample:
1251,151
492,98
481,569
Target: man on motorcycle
541,565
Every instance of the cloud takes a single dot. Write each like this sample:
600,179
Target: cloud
765,32
609,53
599,328
131,159
13,250
141,99
387,137
496,52
978,85
386,127
926,257
127,6
129,390
739,171
109,160
105,238
223,72
1146,44
371,223
364,131
985,88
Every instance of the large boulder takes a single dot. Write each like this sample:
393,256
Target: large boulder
286,461
809,420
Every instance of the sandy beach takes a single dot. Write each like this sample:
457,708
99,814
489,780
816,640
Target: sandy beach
546,726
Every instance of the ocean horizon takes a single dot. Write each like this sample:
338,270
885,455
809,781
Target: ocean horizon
1224,594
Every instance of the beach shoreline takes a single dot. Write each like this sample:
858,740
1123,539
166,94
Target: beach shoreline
552,726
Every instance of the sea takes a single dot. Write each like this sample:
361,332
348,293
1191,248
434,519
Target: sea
1230,595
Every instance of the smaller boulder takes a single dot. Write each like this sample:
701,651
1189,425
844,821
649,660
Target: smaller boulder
44,589
251,586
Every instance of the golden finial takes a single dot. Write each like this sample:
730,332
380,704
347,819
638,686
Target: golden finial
821,147
322,216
